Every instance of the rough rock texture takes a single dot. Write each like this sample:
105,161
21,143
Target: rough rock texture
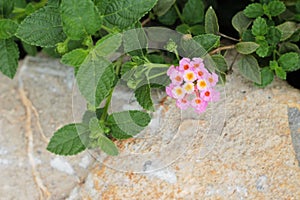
241,148
48,86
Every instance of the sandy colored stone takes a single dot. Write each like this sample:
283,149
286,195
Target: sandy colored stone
49,86
253,157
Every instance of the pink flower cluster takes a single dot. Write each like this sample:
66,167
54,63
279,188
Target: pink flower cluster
192,84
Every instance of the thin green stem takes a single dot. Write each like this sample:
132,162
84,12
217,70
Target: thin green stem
176,54
156,65
107,103
178,13
157,75
109,30
118,65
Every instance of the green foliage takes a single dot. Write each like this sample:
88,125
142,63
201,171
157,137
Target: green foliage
9,54
287,29
42,28
143,96
254,10
246,47
240,22
124,13
289,61
249,68
267,77
162,7
274,8
259,27
128,123
193,12
7,28
211,21
6,8
208,41
69,140
76,25
270,9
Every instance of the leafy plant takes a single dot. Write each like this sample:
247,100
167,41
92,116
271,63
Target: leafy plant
87,34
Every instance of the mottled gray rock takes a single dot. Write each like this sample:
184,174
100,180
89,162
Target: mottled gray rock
294,122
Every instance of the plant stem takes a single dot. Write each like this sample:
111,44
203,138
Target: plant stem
231,65
107,103
228,37
109,30
178,13
148,19
221,49
108,99
156,75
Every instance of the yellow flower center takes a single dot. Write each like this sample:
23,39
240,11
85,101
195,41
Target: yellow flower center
190,76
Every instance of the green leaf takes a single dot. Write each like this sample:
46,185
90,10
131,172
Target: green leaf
183,28
128,123
75,58
221,67
286,47
273,64
169,18
69,140
280,73
9,55
162,7
246,47
287,29
135,42
197,29
6,8
143,96
42,28
263,49
275,8
248,36
273,36
95,78
107,146
254,10
240,22
220,62
8,28
208,41
88,115
124,13
267,77
289,61
96,75
30,49
20,3
193,12
249,68
259,27
80,18
96,130
108,45
211,21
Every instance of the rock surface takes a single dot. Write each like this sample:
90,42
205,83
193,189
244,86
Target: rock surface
241,148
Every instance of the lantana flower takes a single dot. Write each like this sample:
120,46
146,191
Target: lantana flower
192,85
